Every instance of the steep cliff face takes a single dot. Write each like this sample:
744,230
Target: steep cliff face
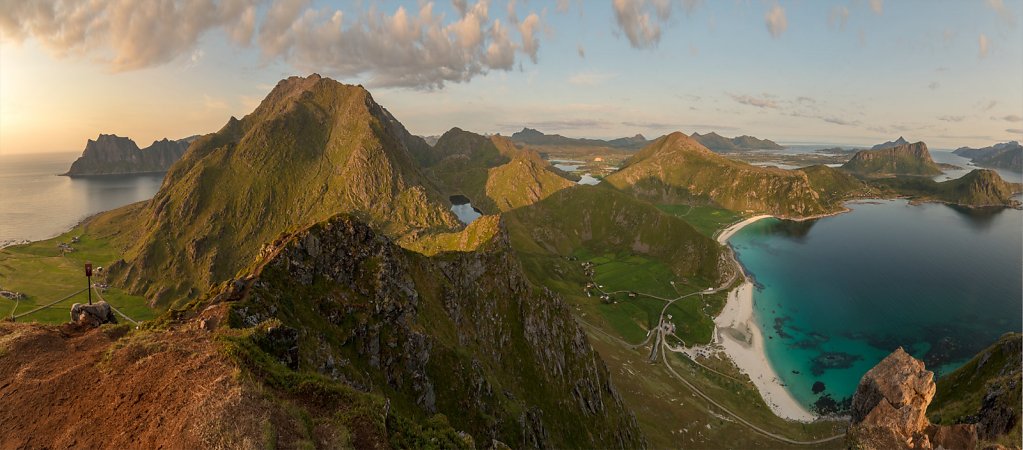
463,334
889,409
114,155
676,169
898,159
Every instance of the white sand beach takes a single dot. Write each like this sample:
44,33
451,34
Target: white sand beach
743,341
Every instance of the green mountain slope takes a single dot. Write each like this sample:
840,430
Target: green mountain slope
462,334
676,169
313,148
903,159
491,171
978,188
985,391
601,220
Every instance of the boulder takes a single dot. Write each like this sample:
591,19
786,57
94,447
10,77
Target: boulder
92,315
890,405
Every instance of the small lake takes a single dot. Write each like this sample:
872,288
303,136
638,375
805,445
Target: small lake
836,295
463,209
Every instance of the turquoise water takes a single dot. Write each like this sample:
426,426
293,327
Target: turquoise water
836,295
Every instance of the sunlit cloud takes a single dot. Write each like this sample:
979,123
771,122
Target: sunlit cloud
759,102
1003,11
983,45
776,21
877,6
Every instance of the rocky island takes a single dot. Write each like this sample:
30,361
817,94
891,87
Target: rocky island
111,154
1007,155
893,158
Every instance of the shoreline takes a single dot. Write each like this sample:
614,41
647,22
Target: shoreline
740,337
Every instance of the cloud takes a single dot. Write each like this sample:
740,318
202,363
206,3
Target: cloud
776,21
984,45
952,118
633,18
934,85
877,6
838,17
410,48
987,106
650,125
1014,130
589,78
1012,118
563,5
581,51
761,102
1003,11
137,34
570,124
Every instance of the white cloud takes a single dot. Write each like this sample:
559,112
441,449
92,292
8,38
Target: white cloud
984,45
877,6
1003,11
633,17
776,21
838,17
760,102
136,34
589,78
412,48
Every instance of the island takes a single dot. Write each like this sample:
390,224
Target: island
111,154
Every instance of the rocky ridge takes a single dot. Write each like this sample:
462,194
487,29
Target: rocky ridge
110,154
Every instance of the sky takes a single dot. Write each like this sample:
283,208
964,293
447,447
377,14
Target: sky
851,72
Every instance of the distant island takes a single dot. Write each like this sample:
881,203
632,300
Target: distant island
720,144
894,158
535,137
111,154
1007,155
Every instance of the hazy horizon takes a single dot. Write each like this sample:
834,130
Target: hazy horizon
853,72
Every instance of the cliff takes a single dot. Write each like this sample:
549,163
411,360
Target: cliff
889,409
114,155
899,159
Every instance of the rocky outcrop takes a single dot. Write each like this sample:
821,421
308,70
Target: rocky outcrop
110,154
890,405
92,315
463,334
899,159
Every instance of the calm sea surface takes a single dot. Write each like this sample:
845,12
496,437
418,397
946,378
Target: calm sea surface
836,295
36,204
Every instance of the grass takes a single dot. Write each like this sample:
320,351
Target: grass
705,219
40,272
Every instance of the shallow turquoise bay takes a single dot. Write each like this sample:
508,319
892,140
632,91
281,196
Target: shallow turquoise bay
836,295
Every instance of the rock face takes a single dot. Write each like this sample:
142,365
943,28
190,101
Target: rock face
899,159
114,155
890,405
890,144
463,334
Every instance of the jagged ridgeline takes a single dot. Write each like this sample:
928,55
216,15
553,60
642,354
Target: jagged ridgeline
894,158
675,169
313,148
463,334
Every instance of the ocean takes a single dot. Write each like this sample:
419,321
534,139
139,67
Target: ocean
836,295
36,203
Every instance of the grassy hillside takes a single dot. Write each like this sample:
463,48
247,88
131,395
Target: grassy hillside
905,159
985,391
675,169
523,181
979,188
314,147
